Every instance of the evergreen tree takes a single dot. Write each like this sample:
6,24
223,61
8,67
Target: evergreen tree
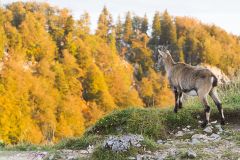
119,28
144,27
168,30
104,24
128,28
156,29
169,35
84,24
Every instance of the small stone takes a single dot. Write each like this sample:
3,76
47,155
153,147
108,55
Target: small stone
71,158
186,129
139,157
191,154
131,158
173,152
213,122
121,143
199,136
219,128
160,141
90,149
188,126
51,157
83,151
179,134
214,137
208,129
195,141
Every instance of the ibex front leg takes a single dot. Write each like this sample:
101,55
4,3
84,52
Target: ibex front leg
180,99
176,93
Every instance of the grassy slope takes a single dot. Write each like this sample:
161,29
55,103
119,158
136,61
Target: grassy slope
153,123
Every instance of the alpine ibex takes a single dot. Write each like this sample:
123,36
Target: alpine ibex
193,81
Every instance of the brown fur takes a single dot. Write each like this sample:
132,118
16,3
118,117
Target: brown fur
184,78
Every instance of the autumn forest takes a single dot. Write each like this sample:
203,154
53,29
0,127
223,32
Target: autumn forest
57,77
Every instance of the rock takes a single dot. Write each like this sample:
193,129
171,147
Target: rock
195,141
214,137
188,126
161,155
131,158
179,134
213,122
208,129
186,129
160,141
90,149
123,143
139,157
83,151
197,138
173,152
219,127
148,157
71,158
51,157
191,154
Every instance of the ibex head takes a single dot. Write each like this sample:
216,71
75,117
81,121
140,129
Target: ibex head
163,55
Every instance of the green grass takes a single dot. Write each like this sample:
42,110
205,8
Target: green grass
79,142
154,123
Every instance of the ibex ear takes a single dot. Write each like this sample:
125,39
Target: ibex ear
162,54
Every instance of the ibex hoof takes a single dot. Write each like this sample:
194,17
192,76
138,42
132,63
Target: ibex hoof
175,110
204,124
222,122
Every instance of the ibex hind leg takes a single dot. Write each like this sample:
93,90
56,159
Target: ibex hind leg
214,96
202,93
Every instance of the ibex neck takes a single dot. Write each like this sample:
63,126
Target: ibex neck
169,65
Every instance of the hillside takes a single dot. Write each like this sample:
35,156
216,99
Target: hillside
57,78
149,134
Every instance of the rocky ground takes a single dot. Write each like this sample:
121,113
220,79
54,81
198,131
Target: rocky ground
214,142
